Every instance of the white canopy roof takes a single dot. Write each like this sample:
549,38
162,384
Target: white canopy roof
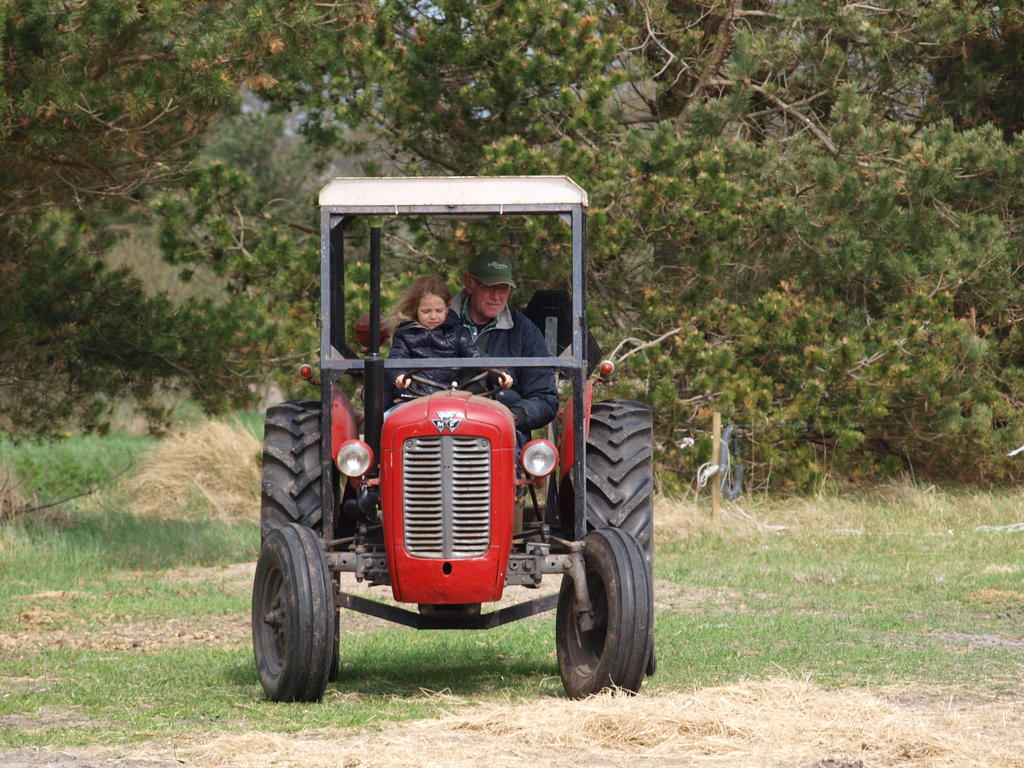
435,191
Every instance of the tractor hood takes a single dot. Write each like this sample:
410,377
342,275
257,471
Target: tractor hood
448,412
447,476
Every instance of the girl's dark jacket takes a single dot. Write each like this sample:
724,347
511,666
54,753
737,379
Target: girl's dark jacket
450,339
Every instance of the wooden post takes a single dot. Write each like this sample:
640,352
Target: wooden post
716,457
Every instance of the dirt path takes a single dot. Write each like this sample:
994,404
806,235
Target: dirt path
36,626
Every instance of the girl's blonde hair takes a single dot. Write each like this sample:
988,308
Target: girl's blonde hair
409,301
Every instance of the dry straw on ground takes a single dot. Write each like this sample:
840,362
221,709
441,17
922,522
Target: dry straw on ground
212,468
899,507
780,723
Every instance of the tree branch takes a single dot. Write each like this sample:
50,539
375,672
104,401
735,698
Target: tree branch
715,59
639,345
789,109
87,492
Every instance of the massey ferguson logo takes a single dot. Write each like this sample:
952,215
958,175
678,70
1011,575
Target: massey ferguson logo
447,420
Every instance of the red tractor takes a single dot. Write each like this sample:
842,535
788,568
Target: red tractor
431,500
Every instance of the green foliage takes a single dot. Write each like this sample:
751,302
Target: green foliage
265,147
818,206
823,200
78,335
101,99
271,278
100,103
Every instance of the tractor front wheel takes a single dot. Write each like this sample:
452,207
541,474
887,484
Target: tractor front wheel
615,652
293,615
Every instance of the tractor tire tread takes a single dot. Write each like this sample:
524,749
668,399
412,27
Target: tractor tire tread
620,480
290,487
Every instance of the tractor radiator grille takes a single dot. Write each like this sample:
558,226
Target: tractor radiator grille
447,496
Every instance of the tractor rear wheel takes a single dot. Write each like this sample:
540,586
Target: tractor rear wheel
615,653
620,475
293,615
290,488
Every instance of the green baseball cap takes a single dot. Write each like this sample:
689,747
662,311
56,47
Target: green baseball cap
492,269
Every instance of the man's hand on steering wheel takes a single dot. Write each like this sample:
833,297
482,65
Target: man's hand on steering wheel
483,382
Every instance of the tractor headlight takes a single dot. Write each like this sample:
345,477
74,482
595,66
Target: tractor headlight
539,458
354,458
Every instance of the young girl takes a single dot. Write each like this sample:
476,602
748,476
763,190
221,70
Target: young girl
426,328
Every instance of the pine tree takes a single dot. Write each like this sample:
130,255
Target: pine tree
818,203
101,104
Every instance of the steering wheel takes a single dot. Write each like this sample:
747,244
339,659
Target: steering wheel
464,384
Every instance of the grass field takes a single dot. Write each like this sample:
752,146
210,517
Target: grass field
125,631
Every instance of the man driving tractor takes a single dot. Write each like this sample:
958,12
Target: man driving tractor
502,331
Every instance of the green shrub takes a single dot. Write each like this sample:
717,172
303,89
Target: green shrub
55,468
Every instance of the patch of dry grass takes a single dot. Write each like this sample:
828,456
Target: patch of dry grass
212,468
52,628
775,723
682,519
899,506
997,596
